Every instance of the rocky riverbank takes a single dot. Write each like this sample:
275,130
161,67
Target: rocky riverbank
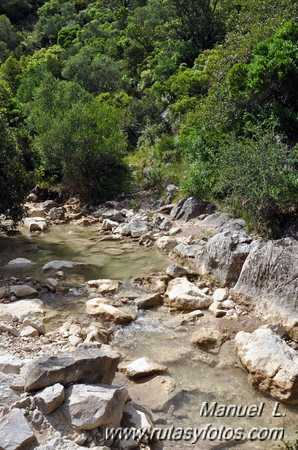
228,292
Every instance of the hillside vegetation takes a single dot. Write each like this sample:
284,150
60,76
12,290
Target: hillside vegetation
97,94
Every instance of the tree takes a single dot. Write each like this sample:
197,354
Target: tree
13,180
79,139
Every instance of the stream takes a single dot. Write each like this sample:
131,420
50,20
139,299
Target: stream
203,377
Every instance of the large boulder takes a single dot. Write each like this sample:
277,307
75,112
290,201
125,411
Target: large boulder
270,277
271,364
90,406
188,208
223,256
84,365
22,309
186,296
15,432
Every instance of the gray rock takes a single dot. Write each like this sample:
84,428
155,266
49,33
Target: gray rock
113,215
269,277
22,290
223,256
64,444
7,395
22,309
186,250
15,432
56,213
142,367
175,271
50,398
9,363
90,406
35,224
188,208
84,365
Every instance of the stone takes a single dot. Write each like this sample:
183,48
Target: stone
113,215
52,284
84,222
186,251
35,322
149,300
7,328
142,367
58,265
15,432
175,271
166,243
109,225
208,339
37,418
188,208
93,304
32,198
35,224
22,309
7,395
3,292
56,213
21,262
64,444
135,229
272,365
186,296
223,256
217,309
88,365
220,294
90,406
157,394
228,304
137,417
29,331
105,286
50,398
269,277
9,363
22,290
109,312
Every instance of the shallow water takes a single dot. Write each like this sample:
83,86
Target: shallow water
202,376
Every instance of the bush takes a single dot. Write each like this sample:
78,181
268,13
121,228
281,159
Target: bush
79,140
254,177
13,180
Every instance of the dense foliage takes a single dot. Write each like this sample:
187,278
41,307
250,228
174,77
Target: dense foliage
201,93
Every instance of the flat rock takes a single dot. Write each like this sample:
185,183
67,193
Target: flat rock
186,296
15,432
149,300
142,367
220,294
109,312
157,394
93,304
29,331
9,363
50,398
22,309
271,364
90,406
62,265
105,286
21,262
22,290
84,365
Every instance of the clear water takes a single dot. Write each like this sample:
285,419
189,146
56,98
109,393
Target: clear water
203,377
